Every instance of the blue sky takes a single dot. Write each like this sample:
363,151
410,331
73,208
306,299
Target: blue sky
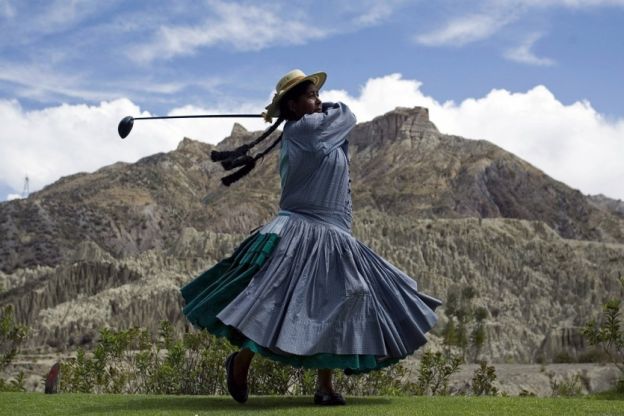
69,64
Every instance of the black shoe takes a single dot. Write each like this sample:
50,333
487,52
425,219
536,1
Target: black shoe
328,398
239,394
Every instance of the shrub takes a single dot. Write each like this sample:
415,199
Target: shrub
17,384
608,334
12,335
465,328
135,361
391,381
483,379
434,373
566,386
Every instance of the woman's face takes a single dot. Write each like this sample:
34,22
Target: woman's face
307,103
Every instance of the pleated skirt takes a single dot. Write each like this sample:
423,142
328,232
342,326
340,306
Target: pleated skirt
306,293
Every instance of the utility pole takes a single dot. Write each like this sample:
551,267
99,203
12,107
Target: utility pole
26,189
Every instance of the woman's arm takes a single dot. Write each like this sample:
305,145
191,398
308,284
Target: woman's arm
323,132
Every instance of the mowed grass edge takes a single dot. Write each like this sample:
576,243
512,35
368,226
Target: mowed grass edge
112,404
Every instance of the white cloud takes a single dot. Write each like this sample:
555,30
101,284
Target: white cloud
59,15
523,53
243,27
576,4
380,95
239,26
58,141
572,143
6,9
374,12
28,21
11,197
466,29
468,26
41,82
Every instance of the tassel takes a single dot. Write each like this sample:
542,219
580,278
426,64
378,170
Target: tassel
242,150
228,180
230,164
229,154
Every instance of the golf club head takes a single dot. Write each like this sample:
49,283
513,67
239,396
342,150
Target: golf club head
125,126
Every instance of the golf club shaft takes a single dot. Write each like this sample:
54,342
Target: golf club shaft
125,125
201,116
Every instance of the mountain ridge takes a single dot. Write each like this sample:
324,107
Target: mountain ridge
112,247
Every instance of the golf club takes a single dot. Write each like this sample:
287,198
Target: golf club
126,123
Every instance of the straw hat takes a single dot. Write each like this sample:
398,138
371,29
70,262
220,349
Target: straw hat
288,81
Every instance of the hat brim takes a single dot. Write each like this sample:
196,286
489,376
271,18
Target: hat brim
318,79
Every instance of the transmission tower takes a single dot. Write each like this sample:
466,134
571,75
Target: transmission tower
26,189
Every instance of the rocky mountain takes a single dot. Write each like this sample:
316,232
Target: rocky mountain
112,247
615,206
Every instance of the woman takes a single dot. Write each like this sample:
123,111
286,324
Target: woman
302,290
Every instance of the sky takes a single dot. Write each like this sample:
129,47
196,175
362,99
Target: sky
543,79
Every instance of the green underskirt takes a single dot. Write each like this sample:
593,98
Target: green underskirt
210,292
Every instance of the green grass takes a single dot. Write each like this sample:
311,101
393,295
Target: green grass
109,404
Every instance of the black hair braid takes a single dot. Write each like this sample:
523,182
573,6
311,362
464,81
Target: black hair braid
228,180
248,164
239,157
234,163
241,150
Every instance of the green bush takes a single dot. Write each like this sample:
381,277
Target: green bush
14,385
483,379
391,381
135,361
608,334
465,327
12,335
566,386
434,372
